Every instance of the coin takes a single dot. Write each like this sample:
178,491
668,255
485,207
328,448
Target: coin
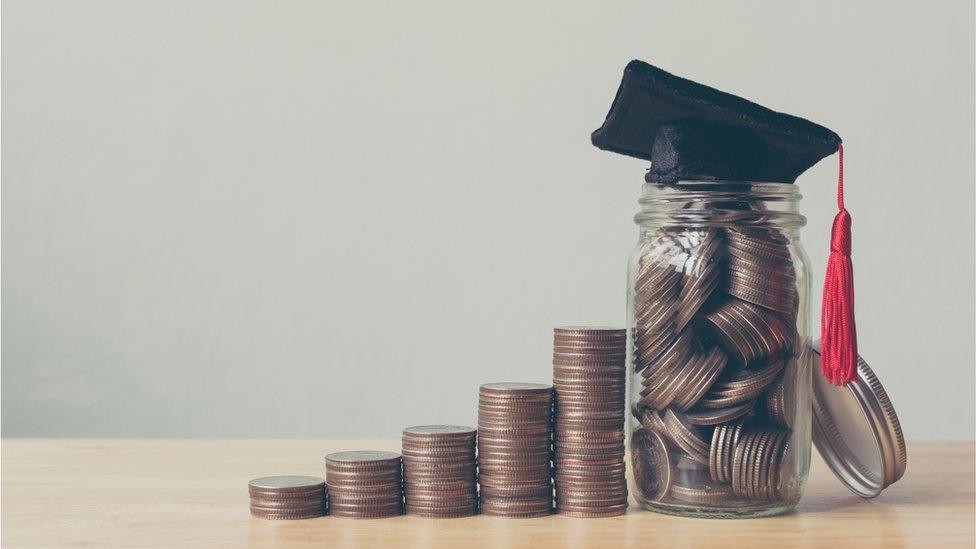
686,436
696,488
440,432
585,512
362,459
709,369
589,332
286,515
651,461
701,277
508,389
707,416
740,386
780,405
286,484
651,420
730,438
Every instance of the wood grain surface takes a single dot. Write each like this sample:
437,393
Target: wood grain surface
165,493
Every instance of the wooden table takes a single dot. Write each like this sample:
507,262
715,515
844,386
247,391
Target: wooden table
164,493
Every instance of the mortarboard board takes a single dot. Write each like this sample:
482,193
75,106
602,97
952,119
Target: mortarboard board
693,132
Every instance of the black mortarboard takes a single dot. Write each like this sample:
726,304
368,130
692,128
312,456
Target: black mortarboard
693,132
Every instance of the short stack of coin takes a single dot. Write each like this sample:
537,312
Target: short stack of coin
364,484
440,471
715,349
515,449
589,381
288,497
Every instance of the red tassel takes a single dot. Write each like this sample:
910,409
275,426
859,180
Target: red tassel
838,336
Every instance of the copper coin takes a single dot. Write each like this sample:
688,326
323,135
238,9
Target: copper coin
724,439
278,506
651,420
720,415
705,493
286,484
615,435
363,476
671,358
441,514
588,332
760,455
362,459
780,399
510,389
365,497
440,432
578,361
709,370
650,343
287,515
740,462
587,424
686,436
514,486
652,464
582,512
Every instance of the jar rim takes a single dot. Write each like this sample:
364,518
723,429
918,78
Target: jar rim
675,203
753,186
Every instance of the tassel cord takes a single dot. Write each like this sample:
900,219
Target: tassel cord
838,353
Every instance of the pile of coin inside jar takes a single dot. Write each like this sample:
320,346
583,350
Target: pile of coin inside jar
589,382
714,349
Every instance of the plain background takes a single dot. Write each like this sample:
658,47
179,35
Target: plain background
324,219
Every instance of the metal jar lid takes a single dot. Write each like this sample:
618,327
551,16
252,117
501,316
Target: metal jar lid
856,431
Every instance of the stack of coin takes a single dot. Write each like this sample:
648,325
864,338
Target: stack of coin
440,471
749,332
364,484
514,449
715,345
657,295
288,497
761,269
757,473
589,380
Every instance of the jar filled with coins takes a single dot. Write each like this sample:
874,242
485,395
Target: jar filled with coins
719,355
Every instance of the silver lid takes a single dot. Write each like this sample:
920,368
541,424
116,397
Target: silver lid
856,431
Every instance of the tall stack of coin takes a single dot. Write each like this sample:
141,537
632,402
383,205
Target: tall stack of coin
714,342
514,449
589,381
364,484
440,471
288,497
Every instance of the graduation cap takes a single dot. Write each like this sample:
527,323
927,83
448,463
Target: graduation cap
692,132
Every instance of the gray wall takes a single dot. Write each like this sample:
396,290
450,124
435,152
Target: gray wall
305,219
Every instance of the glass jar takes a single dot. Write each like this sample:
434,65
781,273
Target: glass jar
719,350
